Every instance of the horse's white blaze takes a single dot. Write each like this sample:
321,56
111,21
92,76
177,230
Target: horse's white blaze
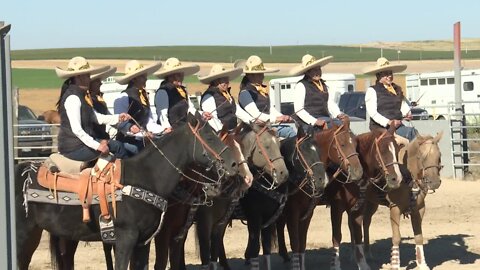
391,147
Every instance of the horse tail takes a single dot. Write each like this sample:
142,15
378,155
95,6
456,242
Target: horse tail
55,253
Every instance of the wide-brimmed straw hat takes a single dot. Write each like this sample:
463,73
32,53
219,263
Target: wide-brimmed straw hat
78,66
383,65
254,64
218,71
173,65
309,62
104,75
134,69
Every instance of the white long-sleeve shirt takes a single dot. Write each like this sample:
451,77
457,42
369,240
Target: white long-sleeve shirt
371,107
72,106
162,104
121,105
246,100
209,105
299,105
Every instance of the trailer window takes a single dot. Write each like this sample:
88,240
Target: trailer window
423,82
468,86
289,86
441,81
350,88
450,80
283,86
432,81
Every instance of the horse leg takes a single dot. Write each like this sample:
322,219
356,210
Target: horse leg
336,212
67,253
125,244
302,233
282,247
416,219
355,220
177,261
293,226
369,210
27,246
107,250
396,237
161,246
253,247
267,245
204,233
140,257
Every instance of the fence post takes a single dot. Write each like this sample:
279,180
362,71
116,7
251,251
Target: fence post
7,192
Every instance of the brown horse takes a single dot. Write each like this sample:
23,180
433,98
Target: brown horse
337,149
423,160
377,151
51,117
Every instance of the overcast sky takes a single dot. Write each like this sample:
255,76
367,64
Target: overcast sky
101,23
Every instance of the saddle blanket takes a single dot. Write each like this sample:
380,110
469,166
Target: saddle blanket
64,198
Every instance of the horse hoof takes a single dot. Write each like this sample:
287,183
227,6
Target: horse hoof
388,266
422,267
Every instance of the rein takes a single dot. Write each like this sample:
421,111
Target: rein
307,168
378,157
423,181
344,159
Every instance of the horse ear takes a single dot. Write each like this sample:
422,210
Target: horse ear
192,119
300,132
438,137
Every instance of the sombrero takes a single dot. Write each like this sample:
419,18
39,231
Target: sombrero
173,65
78,66
218,71
254,64
134,69
309,62
104,75
383,65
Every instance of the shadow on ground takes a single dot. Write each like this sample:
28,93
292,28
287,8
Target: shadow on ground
439,250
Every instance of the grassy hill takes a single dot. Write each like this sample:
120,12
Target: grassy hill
280,54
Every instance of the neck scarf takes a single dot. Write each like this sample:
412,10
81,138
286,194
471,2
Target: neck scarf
88,98
181,91
390,89
143,96
262,89
319,86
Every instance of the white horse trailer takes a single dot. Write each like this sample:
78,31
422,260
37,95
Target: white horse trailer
282,92
434,91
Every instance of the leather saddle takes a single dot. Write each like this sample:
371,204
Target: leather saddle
59,173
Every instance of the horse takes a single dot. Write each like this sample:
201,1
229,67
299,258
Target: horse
423,160
137,220
377,152
257,146
337,148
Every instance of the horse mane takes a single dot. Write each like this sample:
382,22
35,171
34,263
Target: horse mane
412,153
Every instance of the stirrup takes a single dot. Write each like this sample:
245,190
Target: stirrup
107,230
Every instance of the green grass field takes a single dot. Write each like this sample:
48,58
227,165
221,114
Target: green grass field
44,78
280,54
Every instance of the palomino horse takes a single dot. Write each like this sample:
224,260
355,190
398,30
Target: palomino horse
51,117
423,160
137,220
377,153
258,146
337,148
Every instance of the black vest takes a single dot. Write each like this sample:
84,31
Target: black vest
100,107
67,140
388,104
316,101
137,110
225,110
177,105
262,102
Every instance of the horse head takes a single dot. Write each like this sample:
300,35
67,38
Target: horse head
385,152
261,148
208,149
303,160
424,161
338,147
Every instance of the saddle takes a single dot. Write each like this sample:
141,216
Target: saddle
56,174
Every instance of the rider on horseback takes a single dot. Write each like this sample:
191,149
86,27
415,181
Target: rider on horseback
313,104
254,99
218,101
134,100
171,99
77,139
385,102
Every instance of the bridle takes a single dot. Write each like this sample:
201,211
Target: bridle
309,175
344,159
270,161
423,182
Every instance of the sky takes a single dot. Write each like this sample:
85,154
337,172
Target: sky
40,24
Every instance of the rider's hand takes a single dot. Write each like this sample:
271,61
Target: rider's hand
134,129
103,147
408,117
207,116
320,123
395,123
343,117
167,130
124,117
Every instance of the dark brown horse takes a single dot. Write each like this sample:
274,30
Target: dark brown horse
337,148
423,160
378,154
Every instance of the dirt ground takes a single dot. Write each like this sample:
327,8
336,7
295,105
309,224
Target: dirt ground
450,228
